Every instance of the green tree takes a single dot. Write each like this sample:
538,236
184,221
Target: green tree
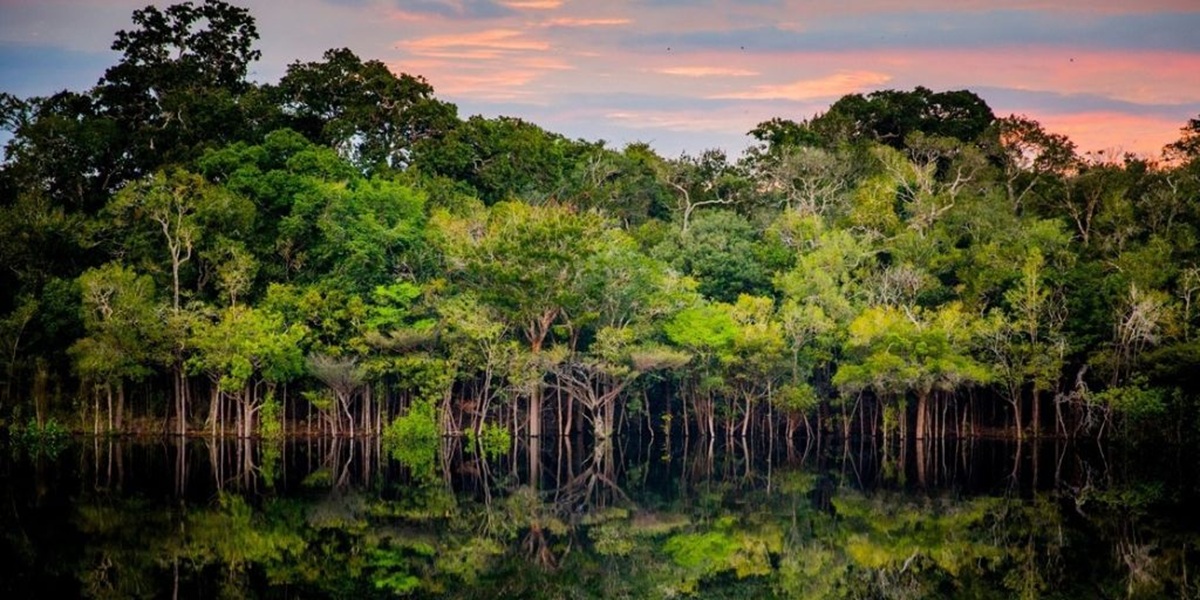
125,335
180,81
369,114
723,252
892,352
503,159
243,350
526,262
889,116
708,179
1027,345
1030,158
175,205
707,331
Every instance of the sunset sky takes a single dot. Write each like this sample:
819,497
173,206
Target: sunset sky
688,75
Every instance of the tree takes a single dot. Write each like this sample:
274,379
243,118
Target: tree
1027,344
892,351
343,376
723,252
125,334
373,117
179,80
504,159
624,298
174,203
705,180
369,233
526,262
780,135
890,116
1030,157
625,185
759,347
612,364
805,179
63,147
1187,147
242,350
477,341
706,331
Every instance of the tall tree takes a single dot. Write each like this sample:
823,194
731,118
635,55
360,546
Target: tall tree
369,114
180,81
889,116
527,262
893,352
1030,157
125,334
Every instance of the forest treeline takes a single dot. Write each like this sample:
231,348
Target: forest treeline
339,252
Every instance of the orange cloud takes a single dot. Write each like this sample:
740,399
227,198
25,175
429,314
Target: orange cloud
489,43
831,86
707,72
533,4
1113,131
1093,6
580,22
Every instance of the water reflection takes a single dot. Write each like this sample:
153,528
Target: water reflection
112,517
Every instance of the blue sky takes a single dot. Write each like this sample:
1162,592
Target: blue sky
688,75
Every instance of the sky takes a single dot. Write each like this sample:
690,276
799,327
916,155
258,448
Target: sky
687,75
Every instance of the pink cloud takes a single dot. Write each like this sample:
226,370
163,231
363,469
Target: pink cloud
830,86
1091,6
533,4
706,72
490,43
1112,131
585,22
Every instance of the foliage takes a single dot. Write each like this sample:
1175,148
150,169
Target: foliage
493,440
181,227
414,437
48,438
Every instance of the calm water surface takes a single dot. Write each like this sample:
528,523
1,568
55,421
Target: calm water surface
124,518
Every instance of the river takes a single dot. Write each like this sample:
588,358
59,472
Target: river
633,518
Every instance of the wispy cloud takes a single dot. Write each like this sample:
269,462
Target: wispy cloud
694,73
1119,132
706,72
489,43
585,22
455,9
533,4
831,86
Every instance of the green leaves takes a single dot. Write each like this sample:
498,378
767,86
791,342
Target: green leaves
892,351
124,322
244,343
707,329
370,115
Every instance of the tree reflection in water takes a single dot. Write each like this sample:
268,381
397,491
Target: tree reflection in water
111,517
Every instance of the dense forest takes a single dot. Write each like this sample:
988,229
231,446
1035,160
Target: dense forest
340,253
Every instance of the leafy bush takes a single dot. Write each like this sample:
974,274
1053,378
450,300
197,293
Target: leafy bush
413,438
494,440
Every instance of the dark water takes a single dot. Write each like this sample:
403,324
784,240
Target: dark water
115,518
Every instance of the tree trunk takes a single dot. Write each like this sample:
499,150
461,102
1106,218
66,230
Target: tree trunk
1036,417
121,406
109,395
922,415
1019,429
535,412
746,418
